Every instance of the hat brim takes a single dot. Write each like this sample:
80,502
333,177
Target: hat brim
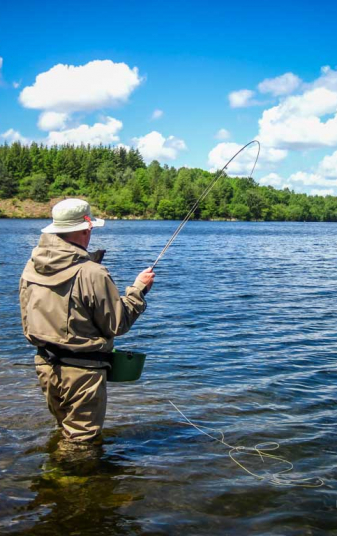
56,229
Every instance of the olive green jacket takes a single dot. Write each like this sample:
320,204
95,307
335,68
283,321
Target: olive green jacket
69,300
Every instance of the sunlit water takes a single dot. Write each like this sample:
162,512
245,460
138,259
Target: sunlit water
241,334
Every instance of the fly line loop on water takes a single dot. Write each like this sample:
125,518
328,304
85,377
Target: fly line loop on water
263,451
219,174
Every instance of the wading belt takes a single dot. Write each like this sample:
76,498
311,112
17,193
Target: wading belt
121,365
53,355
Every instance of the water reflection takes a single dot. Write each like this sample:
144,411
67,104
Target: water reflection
77,491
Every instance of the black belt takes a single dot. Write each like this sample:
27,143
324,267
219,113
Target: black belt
53,354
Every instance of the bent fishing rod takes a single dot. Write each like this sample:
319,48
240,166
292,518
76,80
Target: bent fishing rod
204,194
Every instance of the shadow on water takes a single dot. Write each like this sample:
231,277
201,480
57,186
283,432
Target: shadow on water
77,491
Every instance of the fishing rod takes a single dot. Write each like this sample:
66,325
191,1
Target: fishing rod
204,194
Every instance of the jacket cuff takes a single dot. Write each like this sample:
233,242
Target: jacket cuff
141,286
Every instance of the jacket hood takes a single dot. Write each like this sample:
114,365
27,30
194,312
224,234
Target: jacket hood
54,254
54,261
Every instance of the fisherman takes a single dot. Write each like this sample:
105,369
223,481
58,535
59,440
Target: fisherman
72,311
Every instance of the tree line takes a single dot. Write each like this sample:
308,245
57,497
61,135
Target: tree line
119,183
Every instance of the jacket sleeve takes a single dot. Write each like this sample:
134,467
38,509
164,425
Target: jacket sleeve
112,314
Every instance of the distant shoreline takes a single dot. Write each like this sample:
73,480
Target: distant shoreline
28,209
33,210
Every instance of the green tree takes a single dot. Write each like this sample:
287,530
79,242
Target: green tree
295,213
36,156
279,212
166,209
118,179
63,185
330,209
240,212
34,187
8,184
134,160
255,203
106,173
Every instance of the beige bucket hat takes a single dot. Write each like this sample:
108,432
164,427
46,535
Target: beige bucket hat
72,215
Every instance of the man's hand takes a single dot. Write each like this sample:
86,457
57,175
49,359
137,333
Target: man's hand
146,277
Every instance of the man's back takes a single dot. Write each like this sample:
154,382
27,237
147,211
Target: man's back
69,300
72,311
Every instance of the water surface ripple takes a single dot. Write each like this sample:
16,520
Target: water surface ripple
241,334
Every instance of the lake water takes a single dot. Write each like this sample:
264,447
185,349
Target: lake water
241,334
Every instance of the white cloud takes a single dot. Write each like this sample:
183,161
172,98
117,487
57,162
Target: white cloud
241,98
296,122
323,192
1,62
52,121
66,88
157,114
12,135
104,133
123,146
222,134
278,86
272,179
303,178
243,163
311,183
281,85
16,85
304,121
328,79
328,166
154,146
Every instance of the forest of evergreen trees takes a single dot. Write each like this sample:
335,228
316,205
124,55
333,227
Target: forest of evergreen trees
120,184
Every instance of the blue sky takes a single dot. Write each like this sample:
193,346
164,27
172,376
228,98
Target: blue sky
185,82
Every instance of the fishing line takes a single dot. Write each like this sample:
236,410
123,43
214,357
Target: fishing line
204,194
262,450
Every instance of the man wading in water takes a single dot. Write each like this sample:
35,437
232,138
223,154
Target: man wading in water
72,311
